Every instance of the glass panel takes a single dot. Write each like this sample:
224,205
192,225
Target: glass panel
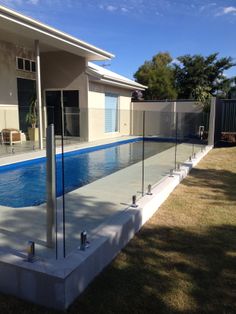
192,134
23,194
53,100
71,113
71,122
100,176
159,146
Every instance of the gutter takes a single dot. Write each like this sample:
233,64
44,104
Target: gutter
113,81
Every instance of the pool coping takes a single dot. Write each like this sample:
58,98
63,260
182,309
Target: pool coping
67,278
72,153
86,146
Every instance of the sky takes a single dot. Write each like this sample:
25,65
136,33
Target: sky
136,30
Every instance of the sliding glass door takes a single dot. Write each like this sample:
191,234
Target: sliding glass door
63,111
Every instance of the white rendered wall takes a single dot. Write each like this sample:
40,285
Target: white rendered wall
61,70
96,110
9,117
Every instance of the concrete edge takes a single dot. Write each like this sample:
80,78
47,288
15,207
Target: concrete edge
113,237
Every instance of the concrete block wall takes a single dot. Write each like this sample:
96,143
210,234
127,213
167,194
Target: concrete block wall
160,116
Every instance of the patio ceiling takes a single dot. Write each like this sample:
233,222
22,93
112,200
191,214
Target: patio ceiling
23,31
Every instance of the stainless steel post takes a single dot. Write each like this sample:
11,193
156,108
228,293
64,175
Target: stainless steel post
38,90
134,205
149,191
51,186
143,154
211,132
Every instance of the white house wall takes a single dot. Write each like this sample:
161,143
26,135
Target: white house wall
9,117
61,70
96,110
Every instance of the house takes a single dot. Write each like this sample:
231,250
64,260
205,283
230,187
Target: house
93,102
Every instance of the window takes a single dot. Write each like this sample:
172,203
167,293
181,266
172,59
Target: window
68,110
25,65
20,64
33,66
70,98
111,113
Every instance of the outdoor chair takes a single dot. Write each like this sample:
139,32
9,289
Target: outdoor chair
11,136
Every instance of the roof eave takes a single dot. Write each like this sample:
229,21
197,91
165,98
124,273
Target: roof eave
137,85
37,26
124,85
111,81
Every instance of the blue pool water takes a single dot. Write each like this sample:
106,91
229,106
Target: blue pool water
24,184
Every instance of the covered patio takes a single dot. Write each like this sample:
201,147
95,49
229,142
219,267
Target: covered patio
39,60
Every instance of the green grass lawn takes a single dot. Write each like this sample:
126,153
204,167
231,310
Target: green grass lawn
182,261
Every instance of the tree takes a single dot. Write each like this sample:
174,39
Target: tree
158,75
202,73
202,94
232,90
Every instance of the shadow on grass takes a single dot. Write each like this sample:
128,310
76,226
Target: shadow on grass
219,181
168,270
162,270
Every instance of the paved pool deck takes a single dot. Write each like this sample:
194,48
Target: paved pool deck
87,208
7,150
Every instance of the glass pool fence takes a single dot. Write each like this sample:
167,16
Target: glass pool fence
105,161
126,155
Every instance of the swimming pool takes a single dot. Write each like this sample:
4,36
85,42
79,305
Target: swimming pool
24,184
